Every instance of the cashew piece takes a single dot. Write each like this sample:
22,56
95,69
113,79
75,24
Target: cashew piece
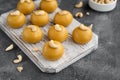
39,12
20,68
103,1
15,13
91,26
22,1
96,1
10,47
58,28
52,44
87,13
18,60
33,28
82,27
63,12
79,14
36,49
79,5
48,0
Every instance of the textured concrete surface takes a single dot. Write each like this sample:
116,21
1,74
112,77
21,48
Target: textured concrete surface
102,64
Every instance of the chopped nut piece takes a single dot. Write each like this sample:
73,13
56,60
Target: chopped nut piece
20,68
32,27
58,28
79,5
36,49
87,13
10,47
79,14
18,60
52,44
15,13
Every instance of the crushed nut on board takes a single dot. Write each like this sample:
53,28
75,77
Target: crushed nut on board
18,60
79,14
20,68
10,47
79,5
36,49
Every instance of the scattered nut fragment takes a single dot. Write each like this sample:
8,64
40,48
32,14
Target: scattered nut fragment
32,27
58,28
10,47
36,49
79,5
20,68
87,13
79,14
52,44
18,60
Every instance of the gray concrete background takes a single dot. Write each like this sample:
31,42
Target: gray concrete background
102,64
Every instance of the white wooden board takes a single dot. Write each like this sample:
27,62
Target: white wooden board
73,51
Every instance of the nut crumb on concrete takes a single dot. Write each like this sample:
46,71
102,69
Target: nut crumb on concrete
10,47
87,13
35,49
19,68
79,5
79,14
18,60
